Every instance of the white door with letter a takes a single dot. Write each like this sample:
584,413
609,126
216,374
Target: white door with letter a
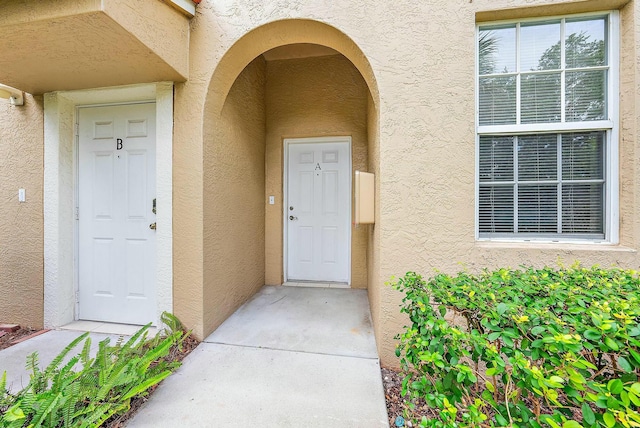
318,210
116,204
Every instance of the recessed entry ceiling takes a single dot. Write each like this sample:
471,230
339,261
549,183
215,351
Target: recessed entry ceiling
298,50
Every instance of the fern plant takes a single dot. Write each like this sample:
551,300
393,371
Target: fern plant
85,391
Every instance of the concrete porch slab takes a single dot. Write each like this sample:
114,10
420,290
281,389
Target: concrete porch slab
319,320
235,386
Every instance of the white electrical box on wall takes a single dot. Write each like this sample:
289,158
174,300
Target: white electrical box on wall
365,198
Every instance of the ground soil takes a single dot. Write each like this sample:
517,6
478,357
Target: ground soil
396,403
11,338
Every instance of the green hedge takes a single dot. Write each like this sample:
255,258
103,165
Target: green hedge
542,347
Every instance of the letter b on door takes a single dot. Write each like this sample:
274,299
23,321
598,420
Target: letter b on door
118,143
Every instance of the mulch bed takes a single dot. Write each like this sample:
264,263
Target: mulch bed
396,406
177,353
10,338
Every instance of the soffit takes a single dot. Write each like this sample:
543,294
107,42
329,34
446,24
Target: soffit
298,50
89,44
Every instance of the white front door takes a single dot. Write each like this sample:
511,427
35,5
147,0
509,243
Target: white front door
318,211
116,191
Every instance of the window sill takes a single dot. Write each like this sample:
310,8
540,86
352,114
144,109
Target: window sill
559,245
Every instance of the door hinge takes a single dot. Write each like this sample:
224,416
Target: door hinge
77,213
77,129
77,296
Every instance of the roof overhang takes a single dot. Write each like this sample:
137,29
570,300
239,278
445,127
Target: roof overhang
78,44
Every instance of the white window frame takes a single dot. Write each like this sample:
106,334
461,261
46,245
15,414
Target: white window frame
610,126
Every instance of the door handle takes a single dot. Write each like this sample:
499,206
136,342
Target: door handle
152,226
292,217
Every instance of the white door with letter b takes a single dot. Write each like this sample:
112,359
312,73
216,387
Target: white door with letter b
116,204
318,211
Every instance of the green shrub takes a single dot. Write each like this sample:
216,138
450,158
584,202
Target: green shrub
542,347
84,391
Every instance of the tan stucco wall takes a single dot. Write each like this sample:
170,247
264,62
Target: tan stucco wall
91,43
417,59
234,182
312,97
21,232
373,231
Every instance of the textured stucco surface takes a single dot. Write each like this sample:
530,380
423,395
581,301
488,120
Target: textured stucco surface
418,61
312,97
21,167
234,200
89,44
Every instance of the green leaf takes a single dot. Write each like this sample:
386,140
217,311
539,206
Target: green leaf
15,413
137,389
635,355
490,386
571,424
508,342
624,364
587,414
609,419
494,336
592,334
501,308
556,379
501,420
611,343
537,330
443,310
615,386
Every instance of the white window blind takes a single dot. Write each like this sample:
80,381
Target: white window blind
543,128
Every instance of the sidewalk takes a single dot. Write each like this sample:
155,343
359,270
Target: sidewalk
290,357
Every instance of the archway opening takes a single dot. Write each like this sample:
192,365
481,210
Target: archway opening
284,81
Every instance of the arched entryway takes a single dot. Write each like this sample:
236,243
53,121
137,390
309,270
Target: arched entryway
286,84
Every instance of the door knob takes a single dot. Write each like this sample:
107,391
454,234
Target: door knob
292,217
152,226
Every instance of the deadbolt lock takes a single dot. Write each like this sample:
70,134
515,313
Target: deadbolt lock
152,226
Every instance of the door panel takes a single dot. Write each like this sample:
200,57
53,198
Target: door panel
318,214
116,188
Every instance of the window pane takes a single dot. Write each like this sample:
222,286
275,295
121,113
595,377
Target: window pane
585,43
496,158
497,50
583,156
537,209
585,96
496,209
540,47
540,98
497,100
537,157
583,208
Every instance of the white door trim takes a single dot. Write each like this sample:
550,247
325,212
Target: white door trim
285,192
60,193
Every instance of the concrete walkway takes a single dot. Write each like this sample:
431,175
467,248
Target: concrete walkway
290,357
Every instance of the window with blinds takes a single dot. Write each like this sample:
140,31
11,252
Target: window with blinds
544,127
